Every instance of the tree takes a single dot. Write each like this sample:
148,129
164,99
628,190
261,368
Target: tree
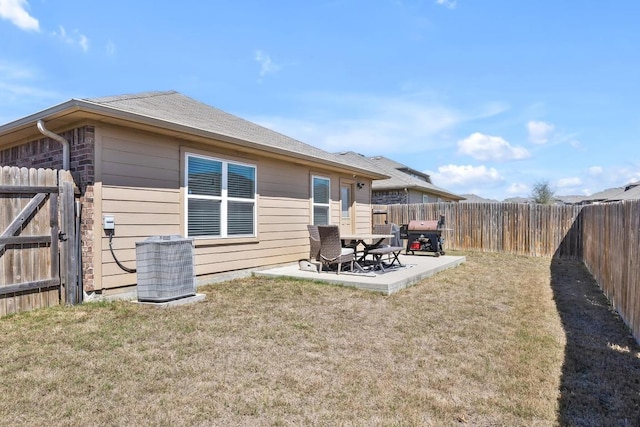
542,193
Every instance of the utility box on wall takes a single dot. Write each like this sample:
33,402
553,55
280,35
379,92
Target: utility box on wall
165,268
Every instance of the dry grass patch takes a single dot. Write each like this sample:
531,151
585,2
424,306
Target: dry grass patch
481,344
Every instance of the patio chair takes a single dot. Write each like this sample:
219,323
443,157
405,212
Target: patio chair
331,250
389,247
314,243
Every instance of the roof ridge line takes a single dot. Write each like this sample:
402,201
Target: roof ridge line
140,95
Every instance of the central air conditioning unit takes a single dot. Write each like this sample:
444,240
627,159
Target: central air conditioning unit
165,268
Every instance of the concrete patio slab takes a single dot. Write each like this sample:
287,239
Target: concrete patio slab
417,267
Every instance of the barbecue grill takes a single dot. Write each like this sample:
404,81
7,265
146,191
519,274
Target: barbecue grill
424,236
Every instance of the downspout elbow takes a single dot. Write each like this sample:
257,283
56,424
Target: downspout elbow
61,140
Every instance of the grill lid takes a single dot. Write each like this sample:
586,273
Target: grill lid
422,225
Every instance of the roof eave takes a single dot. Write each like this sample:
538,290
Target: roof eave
420,188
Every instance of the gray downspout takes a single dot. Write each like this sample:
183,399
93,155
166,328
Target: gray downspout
61,140
65,166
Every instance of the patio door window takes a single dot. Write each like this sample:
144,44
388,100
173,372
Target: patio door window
321,200
221,198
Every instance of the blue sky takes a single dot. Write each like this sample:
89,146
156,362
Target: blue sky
489,97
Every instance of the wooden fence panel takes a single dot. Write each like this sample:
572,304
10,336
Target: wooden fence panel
605,237
522,229
611,250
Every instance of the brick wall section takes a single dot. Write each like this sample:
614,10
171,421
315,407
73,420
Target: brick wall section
47,153
389,197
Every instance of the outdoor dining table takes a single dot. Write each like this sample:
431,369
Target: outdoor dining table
361,239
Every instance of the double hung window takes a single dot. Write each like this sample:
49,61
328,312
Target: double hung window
221,198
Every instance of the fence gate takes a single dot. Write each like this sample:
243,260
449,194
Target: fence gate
39,239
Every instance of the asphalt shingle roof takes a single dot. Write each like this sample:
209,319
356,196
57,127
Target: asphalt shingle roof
605,194
399,178
632,193
176,108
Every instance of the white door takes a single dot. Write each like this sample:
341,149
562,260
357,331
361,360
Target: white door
347,211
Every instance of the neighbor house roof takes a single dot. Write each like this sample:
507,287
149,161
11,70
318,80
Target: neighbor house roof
176,114
400,176
604,195
518,200
474,198
630,192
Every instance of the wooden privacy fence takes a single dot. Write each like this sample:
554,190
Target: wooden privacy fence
605,237
611,235
39,240
537,230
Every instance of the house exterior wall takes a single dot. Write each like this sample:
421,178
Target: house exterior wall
390,197
138,178
47,153
418,197
140,181
401,197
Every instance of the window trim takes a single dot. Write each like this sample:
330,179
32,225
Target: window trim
313,202
224,198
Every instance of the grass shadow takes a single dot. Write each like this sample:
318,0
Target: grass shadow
600,382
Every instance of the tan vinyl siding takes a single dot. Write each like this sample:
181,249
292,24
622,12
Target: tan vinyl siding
155,212
140,175
416,196
363,207
363,215
141,186
149,161
280,180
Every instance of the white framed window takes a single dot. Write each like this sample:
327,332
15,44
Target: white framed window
320,187
221,197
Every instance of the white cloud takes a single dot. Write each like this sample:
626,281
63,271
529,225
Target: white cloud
540,132
618,175
13,71
575,143
377,125
595,170
15,12
454,175
75,38
487,147
410,122
451,4
267,66
571,182
518,189
630,175
19,93
84,42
